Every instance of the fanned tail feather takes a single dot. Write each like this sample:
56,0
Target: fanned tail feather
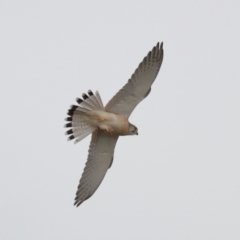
99,100
78,116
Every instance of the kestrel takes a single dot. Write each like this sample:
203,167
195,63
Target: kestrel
108,123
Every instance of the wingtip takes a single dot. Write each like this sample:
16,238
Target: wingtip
76,203
159,45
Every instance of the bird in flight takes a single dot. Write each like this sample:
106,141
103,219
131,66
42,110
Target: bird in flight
108,123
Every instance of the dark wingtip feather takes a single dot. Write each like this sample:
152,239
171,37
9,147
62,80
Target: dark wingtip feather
157,46
161,51
85,96
77,203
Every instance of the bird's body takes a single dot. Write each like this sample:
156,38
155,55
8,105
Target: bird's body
112,123
108,123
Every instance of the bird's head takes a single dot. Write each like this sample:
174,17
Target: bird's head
132,129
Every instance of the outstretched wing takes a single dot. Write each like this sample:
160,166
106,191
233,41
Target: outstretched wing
100,157
139,85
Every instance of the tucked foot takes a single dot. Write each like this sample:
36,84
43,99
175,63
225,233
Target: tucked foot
101,119
110,131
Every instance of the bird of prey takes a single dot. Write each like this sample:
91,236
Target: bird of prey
108,123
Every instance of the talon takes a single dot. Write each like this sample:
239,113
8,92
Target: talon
101,119
110,131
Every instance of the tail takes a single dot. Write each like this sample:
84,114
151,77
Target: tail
78,116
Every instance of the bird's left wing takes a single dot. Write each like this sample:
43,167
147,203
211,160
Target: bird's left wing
139,85
100,157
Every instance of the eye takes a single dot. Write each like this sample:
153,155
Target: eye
132,129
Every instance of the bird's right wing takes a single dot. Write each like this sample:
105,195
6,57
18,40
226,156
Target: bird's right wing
100,158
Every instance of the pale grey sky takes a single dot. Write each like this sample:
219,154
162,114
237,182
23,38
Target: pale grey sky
179,179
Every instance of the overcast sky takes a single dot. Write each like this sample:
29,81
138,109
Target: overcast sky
179,179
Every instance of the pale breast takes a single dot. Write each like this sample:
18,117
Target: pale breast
114,124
